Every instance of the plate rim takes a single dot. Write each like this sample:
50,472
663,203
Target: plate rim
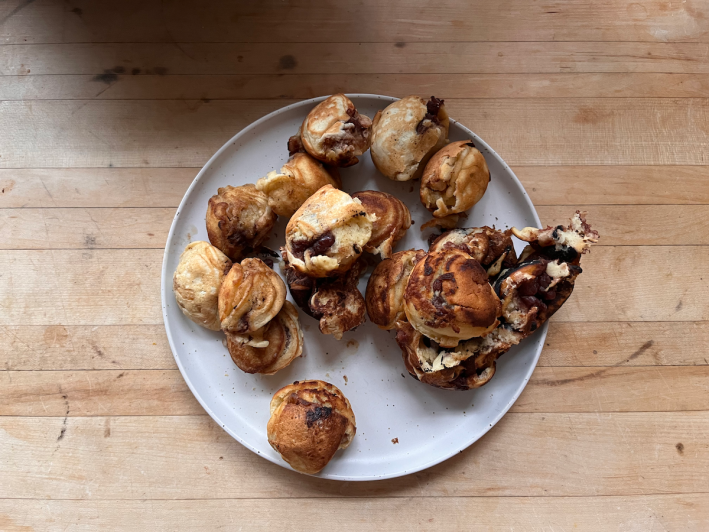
540,334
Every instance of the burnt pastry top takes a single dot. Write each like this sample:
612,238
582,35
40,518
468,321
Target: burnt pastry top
392,219
239,220
250,296
448,298
454,179
269,350
333,132
298,179
406,134
327,233
310,421
196,283
492,248
385,288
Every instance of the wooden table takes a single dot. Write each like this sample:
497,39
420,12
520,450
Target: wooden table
110,108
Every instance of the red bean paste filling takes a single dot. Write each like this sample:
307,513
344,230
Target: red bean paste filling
317,246
433,106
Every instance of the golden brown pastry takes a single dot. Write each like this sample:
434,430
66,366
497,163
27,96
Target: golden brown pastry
385,288
448,298
298,179
196,283
239,220
327,233
392,219
333,132
272,349
406,134
250,296
310,421
454,179
492,248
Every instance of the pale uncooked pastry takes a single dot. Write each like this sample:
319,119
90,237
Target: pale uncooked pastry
298,179
196,283
239,220
406,134
392,219
448,298
386,285
272,349
250,296
310,421
334,132
454,179
328,233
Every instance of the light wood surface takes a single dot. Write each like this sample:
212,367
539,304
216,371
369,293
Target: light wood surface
109,109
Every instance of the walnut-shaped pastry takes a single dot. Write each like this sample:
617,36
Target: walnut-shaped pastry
310,421
386,285
492,248
196,283
448,298
454,179
328,233
470,364
239,220
298,179
250,296
406,134
392,219
333,132
272,349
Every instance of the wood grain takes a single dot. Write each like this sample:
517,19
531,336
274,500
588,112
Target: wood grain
164,392
121,287
164,187
523,455
586,345
107,61
53,21
82,228
186,133
496,514
293,86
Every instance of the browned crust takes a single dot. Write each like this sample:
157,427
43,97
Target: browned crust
392,220
485,244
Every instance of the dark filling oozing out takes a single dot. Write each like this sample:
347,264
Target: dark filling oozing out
433,106
533,291
317,246
295,145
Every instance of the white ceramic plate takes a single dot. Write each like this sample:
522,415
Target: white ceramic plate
430,424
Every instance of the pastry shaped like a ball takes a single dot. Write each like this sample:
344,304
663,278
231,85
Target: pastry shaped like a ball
272,349
310,421
492,248
454,179
298,179
328,233
334,132
406,134
196,283
385,288
448,298
250,296
392,219
239,220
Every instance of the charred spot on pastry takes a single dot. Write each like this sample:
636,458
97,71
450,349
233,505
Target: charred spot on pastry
471,144
316,414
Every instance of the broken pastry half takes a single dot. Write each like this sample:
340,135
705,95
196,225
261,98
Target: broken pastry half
239,220
273,348
406,134
454,180
391,221
327,233
333,132
310,421
196,283
298,179
530,292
